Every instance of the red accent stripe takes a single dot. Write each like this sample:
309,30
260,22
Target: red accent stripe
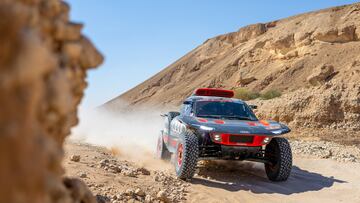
219,121
251,123
264,123
203,120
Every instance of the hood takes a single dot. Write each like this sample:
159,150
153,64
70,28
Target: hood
260,127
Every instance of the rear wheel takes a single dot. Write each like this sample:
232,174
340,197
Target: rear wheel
161,150
278,152
186,155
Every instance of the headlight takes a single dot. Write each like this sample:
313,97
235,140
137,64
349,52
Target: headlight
216,137
202,127
266,140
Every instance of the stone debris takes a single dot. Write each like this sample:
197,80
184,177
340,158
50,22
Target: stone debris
148,199
168,188
143,171
161,195
102,199
82,175
326,150
140,192
123,168
75,158
129,173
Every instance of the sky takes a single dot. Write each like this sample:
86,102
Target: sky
141,37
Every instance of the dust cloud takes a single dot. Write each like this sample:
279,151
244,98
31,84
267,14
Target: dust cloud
130,135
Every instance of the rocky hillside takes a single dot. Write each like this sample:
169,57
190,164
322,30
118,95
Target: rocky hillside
43,63
313,58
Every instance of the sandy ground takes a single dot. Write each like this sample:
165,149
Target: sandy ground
312,179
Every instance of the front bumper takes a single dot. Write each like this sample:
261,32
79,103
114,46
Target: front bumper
230,152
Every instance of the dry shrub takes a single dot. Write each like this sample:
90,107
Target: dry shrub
245,94
270,94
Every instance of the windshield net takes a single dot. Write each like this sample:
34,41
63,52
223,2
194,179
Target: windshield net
224,109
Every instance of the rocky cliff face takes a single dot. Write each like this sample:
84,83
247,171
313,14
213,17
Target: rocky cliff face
43,63
331,106
313,57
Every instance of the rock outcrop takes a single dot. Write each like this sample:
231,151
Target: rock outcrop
43,63
329,106
321,74
338,35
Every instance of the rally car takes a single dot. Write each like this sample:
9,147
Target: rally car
213,125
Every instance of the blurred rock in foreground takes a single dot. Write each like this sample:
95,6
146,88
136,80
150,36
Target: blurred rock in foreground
43,64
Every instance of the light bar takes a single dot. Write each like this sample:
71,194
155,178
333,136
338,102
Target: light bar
214,92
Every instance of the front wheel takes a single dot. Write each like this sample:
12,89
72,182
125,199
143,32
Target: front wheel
186,155
278,152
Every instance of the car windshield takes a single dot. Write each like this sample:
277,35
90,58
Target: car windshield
224,109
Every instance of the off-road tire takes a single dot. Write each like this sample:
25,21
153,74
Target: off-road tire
278,151
186,169
162,151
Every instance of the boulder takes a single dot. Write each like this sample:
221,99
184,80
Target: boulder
320,74
245,81
75,158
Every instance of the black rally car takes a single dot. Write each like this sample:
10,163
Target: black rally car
213,125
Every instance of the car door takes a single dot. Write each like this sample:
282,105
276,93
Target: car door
177,127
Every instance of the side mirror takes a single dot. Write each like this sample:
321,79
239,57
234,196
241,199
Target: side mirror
187,102
253,106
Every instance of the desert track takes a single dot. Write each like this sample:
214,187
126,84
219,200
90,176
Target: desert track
312,180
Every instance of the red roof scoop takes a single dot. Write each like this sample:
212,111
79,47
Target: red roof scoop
214,92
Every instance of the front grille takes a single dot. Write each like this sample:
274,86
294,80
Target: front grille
241,139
